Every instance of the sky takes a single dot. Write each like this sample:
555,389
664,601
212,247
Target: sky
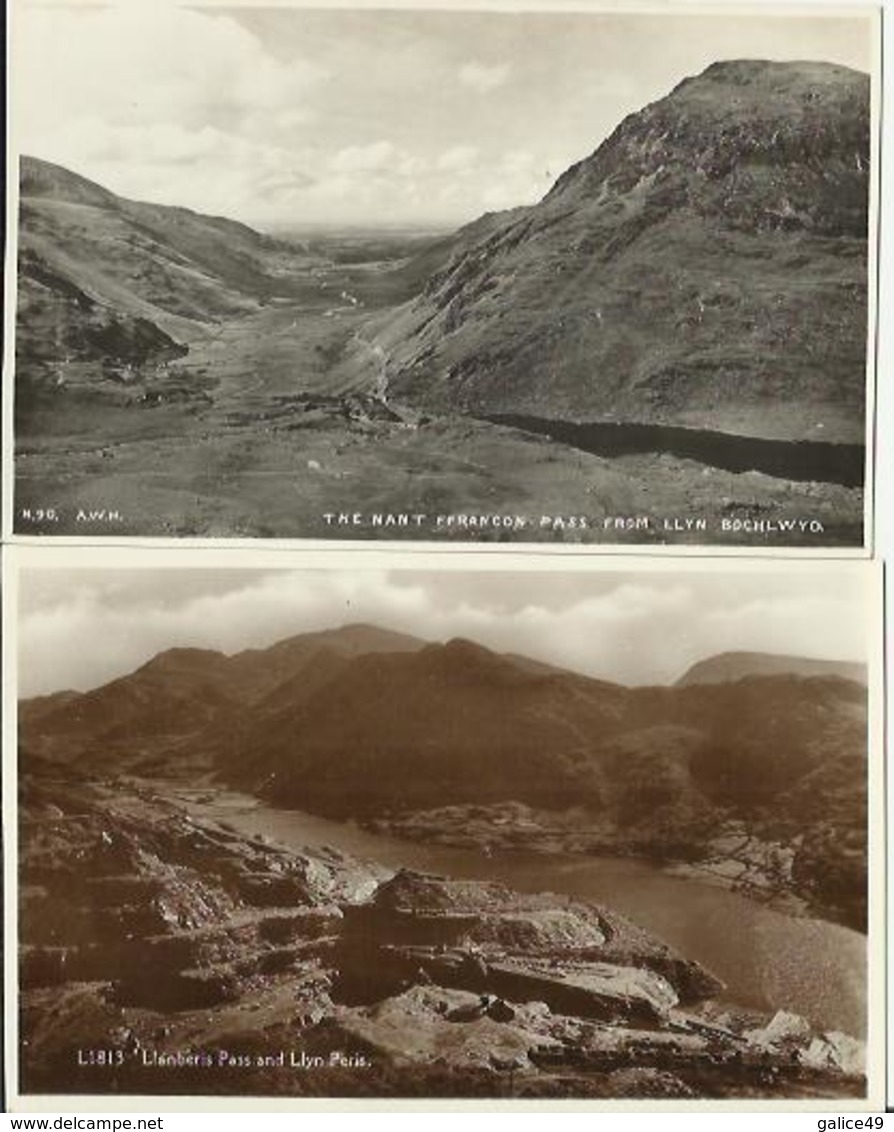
289,117
79,628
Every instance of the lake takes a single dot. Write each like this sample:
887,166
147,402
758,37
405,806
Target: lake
802,460
767,959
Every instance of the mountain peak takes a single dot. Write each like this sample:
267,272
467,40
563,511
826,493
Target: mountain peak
464,646
728,667
635,290
465,660
789,114
183,659
745,71
357,636
39,178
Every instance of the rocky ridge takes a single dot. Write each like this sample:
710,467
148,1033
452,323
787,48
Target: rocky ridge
456,743
205,962
730,666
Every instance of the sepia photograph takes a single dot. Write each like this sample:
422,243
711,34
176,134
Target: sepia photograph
443,275
492,830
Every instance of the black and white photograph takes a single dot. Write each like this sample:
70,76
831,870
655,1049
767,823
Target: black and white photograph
443,275
499,831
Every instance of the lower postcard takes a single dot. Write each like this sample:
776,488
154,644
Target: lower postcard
287,829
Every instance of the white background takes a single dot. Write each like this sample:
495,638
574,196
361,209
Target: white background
731,1116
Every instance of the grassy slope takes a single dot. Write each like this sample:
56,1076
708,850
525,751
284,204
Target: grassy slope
178,269
708,258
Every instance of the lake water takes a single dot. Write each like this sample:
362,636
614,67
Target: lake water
767,959
804,460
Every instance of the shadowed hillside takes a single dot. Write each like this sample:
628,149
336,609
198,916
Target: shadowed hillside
359,723
119,283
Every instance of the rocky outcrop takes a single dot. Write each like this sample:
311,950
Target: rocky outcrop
62,324
577,958
201,961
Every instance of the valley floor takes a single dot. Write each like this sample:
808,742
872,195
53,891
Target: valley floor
251,436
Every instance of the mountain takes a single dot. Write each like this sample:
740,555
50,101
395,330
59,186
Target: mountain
729,666
120,282
457,724
361,721
182,691
763,778
36,707
363,724
409,278
171,695
453,722
708,261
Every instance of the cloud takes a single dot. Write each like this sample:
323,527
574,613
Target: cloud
164,103
484,78
207,168
459,158
519,178
284,114
145,65
84,629
369,158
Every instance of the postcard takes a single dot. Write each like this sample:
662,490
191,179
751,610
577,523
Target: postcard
294,828
572,276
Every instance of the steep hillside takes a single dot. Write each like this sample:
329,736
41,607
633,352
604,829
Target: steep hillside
455,742
121,282
361,721
453,722
457,723
172,695
709,260
408,279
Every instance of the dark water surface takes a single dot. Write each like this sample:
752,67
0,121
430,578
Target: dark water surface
805,461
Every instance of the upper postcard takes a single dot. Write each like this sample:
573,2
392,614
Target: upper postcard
572,278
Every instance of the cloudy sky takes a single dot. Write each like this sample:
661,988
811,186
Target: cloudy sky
81,628
285,116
